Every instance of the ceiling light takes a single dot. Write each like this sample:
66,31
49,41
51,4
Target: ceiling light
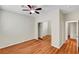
32,11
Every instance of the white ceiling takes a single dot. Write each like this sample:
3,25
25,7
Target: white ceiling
45,9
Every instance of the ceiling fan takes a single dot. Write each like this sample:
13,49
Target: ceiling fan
31,8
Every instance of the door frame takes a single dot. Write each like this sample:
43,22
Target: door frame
66,27
66,30
78,36
36,27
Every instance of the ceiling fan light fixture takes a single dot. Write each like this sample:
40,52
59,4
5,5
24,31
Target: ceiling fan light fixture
32,11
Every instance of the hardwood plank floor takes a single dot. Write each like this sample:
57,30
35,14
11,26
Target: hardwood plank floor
69,47
78,50
41,47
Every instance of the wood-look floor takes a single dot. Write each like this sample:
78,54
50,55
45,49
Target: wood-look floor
41,47
78,50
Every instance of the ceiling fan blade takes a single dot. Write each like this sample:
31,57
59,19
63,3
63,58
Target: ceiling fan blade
36,12
25,10
29,6
38,9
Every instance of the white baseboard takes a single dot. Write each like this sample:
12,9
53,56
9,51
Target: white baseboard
59,45
13,43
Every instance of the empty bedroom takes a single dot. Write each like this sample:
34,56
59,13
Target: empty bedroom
39,29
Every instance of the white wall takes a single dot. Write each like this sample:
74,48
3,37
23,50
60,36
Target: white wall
72,16
44,28
0,24
43,18
15,28
55,27
54,19
78,33
49,27
73,30
58,30
62,28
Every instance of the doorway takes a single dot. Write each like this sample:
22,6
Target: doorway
39,29
72,30
78,36
43,29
